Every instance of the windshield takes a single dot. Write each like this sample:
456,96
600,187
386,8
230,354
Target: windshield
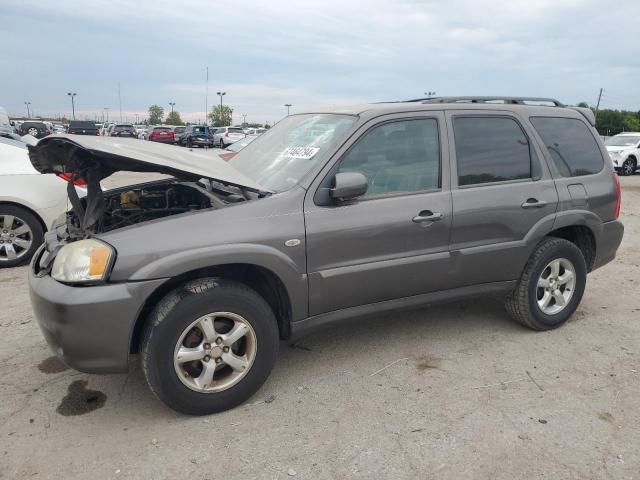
623,141
283,155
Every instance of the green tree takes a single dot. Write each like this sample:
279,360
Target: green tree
156,112
221,115
583,105
173,118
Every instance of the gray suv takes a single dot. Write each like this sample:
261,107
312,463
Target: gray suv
326,216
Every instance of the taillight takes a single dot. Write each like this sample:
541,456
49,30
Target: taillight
226,134
113,134
97,132
67,177
69,130
618,195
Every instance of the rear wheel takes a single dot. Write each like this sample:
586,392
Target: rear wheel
209,346
551,285
20,235
628,166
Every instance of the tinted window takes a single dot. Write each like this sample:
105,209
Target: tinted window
490,149
236,130
397,157
571,145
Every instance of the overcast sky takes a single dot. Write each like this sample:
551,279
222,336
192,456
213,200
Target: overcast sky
310,53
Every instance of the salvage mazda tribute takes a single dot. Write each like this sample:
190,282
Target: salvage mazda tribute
326,216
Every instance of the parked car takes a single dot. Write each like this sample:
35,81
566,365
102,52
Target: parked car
5,124
82,127
196,136
255,131
143,133
59,128
122,130
326,216
235,147
29,202
35,129
161,134
177,131
106,128
624,150
224,136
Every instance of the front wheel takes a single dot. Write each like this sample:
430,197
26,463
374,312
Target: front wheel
551,285
20,235
628,167
209,346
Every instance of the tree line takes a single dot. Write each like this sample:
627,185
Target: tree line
219,116
611,122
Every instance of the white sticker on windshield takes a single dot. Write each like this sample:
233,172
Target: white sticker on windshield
303,153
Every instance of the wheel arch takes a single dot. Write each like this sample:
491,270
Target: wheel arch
263,280
583,237
28,209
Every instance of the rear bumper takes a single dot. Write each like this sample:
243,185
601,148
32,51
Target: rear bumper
608,242
89,328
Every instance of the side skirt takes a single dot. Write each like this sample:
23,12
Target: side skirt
310,325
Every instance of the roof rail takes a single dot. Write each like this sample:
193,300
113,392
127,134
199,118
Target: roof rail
508,100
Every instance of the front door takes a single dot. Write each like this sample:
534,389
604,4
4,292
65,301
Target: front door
393,241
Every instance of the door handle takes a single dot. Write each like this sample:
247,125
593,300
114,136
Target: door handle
534,203
427,216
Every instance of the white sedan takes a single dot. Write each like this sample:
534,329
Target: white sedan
29,202
624,150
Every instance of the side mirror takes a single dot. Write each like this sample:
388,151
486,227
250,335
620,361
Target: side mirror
348,185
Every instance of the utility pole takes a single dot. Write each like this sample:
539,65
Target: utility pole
288,105
106,109
120,101
73,105
172,105
221,94
28,112
206,98
598,104
244,119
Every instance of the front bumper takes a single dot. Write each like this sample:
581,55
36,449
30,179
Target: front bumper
90,327
608,242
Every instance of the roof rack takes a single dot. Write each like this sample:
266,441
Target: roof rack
507,100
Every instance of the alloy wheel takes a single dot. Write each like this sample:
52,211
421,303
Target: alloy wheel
33,132
215,352
628,167
555,286
16,238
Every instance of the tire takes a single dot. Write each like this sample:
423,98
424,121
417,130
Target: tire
19,218
628,166
522,304
172,319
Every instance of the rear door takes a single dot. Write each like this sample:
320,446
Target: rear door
503,196
393,241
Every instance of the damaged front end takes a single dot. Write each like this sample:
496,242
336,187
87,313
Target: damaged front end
198,182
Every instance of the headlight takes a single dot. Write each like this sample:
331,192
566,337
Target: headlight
84,261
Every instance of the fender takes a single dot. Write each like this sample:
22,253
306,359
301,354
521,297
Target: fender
251,254
584,218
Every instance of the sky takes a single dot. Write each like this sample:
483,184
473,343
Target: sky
310,53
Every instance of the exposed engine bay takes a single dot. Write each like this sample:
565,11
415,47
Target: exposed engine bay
140,203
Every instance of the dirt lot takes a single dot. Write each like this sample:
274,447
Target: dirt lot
452,392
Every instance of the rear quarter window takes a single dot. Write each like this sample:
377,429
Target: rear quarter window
571,145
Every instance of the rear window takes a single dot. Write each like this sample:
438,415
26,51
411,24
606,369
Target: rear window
122,128
571,145
200,130
490,149
77,124
162,129
236,130
179,129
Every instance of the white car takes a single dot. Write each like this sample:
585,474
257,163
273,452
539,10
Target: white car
624,150
225,136
29,203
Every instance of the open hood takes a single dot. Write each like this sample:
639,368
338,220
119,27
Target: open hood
100,157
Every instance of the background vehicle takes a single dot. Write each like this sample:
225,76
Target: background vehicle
161,134
196,136
235,147
59,128
82,127
143,133
35,129
255,131
299,231
624,150
122,130
29,202
224,136
106,127
5,123
178,130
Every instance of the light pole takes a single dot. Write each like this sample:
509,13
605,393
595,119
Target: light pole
73,105
172,105
429,94
244,119
288,105
28,112
221,94
106,110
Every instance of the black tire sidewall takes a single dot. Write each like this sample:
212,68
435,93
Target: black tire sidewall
36,230
573,254
166,334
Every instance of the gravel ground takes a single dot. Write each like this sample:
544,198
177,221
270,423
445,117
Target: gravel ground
453,392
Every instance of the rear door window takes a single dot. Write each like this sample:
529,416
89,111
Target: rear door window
490,149
571,145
